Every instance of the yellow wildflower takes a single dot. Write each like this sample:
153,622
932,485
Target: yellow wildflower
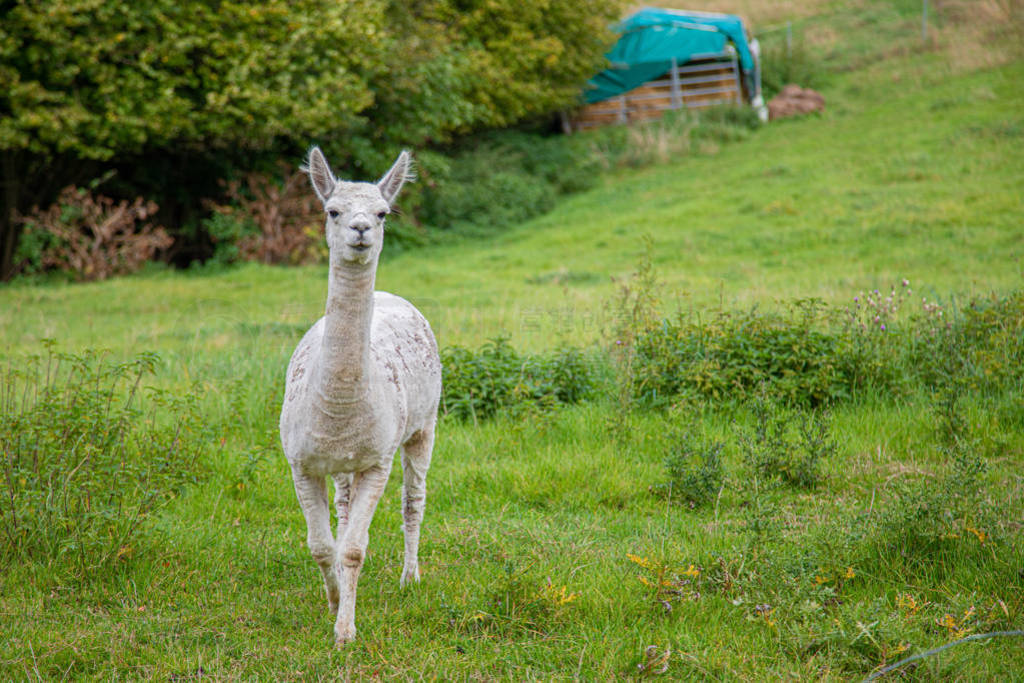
642,561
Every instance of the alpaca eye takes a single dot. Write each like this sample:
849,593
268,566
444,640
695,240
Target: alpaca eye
333,213
382,214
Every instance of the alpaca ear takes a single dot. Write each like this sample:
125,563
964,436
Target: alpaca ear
320,175
399,174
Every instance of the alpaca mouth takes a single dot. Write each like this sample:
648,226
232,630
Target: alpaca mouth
360,246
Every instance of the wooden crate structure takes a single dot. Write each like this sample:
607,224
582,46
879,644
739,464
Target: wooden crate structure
701,82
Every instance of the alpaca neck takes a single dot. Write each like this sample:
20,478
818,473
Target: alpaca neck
345,348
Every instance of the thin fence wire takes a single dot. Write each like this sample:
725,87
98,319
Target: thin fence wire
977,636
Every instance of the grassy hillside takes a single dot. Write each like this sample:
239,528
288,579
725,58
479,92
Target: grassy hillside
558,543
909,178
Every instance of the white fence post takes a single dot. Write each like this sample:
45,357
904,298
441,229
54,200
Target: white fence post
677,93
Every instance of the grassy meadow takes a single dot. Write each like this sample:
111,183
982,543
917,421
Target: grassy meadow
605,539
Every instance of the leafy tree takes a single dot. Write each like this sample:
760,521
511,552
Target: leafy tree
90,80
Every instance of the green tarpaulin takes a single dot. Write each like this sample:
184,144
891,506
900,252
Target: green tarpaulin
653,37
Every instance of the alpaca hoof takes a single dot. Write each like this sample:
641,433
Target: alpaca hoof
409,576
343,636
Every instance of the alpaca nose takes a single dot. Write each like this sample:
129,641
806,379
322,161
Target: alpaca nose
361,227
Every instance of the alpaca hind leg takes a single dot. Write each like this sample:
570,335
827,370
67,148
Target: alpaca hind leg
367,488
312,495
342,494
415,462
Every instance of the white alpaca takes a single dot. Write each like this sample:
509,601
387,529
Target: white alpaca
364,381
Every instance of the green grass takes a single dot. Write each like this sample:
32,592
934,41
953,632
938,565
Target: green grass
912,176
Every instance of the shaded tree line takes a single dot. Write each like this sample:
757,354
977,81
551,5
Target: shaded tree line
168,99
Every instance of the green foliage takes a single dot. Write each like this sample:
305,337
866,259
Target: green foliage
797,64
804,357
502,179
112,78
34,244
226,230
987,339
176,94
477,200
787,446
457,66
478,385
695,472
83,466
736,354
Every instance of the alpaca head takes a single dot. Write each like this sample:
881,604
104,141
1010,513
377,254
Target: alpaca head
356,211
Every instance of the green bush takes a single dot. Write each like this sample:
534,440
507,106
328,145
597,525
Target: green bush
813,356
982,342
226,231
563,161
477,385
83,466
177,95
739,355
477,201
695,472
503,179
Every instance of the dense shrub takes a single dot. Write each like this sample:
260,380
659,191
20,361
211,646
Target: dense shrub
474,201
479,384
89,236
500,179
813,356
981,342
736,355
268,220
83,466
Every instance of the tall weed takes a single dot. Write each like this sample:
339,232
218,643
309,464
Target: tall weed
786,446
782,64
737,355
83,465
695,472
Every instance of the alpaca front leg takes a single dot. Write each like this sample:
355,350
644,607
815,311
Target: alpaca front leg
415,462
312,495
367,488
